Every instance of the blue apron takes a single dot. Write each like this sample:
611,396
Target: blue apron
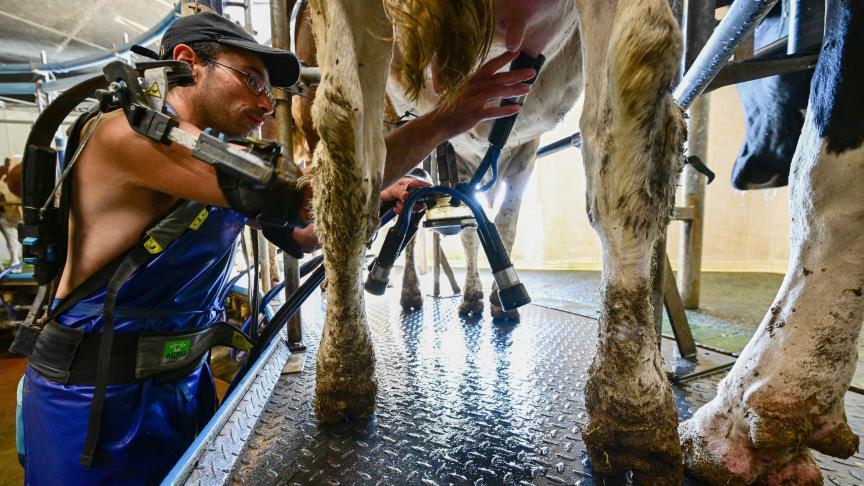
146,426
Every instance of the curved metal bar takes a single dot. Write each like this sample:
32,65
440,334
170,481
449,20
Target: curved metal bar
9,270
95,60
739,22
469,201
574,140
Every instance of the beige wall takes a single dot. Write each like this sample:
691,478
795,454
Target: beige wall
14,135
744,231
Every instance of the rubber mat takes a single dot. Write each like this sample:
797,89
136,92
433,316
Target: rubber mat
461,401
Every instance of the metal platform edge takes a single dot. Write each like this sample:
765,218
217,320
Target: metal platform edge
212,456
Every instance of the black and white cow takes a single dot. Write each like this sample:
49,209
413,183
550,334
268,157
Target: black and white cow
773,116
785,394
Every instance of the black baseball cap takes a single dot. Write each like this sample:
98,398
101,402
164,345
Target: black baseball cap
282,66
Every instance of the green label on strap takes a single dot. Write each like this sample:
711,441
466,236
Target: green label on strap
175,351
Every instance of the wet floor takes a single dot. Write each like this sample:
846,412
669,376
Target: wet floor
731,305
461,401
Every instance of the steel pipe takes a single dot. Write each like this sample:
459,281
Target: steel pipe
574,140
281,12
806,25
739,22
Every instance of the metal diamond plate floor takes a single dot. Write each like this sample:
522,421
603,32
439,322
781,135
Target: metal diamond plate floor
461,401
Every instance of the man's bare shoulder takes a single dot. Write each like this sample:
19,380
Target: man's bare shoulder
116,154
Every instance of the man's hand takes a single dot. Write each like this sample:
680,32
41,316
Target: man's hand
479,98
400,190
306,238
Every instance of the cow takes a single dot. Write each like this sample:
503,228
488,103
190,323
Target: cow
773,116
556,90
785,394
10,211
633,134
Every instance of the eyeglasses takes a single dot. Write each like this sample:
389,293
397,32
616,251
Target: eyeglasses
255,84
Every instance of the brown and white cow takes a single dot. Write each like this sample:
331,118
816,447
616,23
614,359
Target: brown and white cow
553,32
10,211
785,394
633,133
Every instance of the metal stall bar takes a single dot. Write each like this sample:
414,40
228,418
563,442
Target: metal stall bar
806,25
698,25
738,23
713,53
281,12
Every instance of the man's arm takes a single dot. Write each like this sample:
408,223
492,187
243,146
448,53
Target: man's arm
169,169
477,101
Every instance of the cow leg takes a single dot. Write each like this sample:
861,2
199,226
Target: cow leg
786,391
354,53
411,298
472,295
519,172
632,133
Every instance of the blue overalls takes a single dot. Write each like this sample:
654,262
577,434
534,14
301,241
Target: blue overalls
146,426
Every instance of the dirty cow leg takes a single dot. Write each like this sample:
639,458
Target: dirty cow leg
520,167
353,53
633,134
786,391
411,298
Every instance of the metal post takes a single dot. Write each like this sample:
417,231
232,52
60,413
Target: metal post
280,13
806,25
432,160
698,26
738,23
263,263
420,257
247,15
436,264
658,276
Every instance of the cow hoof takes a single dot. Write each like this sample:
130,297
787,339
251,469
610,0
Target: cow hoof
729,459
632,420
411,303
499,314
345,398
648,448
471,305
763,442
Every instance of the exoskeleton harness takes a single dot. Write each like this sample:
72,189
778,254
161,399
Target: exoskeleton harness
249,178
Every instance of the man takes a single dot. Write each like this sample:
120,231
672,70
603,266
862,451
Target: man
122,183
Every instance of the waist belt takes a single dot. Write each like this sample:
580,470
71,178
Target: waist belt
70,356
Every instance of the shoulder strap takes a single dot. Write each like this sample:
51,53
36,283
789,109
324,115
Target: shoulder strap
185,215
